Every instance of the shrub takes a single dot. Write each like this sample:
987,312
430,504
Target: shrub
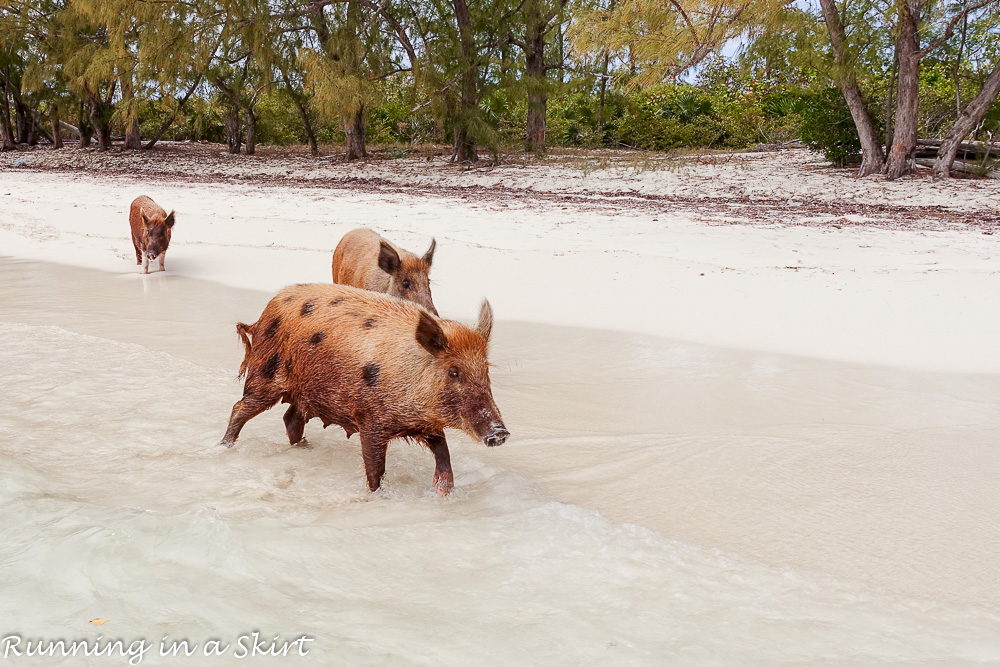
827,127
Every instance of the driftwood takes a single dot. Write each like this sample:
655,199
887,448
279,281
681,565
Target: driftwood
963,167
928,148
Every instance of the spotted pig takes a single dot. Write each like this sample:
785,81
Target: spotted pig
372,364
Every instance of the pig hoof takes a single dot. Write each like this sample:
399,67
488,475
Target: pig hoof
228,443
444,482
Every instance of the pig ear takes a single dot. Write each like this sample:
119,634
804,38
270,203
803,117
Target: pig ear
430,335
388,258
170,220
485,325
145,218
429,255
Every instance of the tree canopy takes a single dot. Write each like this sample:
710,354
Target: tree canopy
479,73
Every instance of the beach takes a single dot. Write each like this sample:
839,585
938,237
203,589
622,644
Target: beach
753,404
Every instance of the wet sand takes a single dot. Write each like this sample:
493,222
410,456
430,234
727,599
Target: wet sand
877,476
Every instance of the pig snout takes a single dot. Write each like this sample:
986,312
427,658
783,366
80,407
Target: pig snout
496,435
152,255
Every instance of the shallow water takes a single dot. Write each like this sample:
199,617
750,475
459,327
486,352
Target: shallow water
656,503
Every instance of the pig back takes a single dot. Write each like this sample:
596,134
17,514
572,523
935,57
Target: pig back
355,261
334,346
140,204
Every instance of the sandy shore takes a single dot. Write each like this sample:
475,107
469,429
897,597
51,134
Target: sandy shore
772,251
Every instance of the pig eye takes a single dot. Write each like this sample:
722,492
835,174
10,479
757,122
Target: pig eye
407,284
453,373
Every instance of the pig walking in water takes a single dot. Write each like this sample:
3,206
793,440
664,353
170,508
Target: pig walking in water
150,231
366,260
375,365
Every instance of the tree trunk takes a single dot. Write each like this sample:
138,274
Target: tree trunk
133,135
872,157
100,118
465,141
602,121
20,122
57,141
537,83
251,138
354,132
956,70
86,129
6,128
311,135
234,131
904,138
966,123
889,102
302,105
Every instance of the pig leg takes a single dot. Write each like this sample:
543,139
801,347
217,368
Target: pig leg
245,409
163,257
145,264
295,424
138,253
444,478
373,449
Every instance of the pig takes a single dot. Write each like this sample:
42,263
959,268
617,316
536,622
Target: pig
151,228
371,364
366,260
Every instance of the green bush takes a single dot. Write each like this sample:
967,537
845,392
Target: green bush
827,127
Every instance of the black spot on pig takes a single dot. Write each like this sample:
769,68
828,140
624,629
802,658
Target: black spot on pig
370,374
307,308
369,323
337,301
272,328
270,367
317,338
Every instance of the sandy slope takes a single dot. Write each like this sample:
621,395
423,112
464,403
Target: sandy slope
772,251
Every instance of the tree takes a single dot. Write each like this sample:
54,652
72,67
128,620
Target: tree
901,160
240,71
967,121
355,45
845,76
662,40
979,44
461,42
539,20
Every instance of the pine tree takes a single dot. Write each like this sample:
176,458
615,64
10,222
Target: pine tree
539,21
662,40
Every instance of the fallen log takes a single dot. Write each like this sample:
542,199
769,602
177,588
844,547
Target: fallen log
966,150
963,167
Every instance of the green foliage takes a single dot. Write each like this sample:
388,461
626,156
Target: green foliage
668,117
278,120
827,127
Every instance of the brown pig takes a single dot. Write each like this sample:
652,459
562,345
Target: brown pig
372,364
366,260
150,231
